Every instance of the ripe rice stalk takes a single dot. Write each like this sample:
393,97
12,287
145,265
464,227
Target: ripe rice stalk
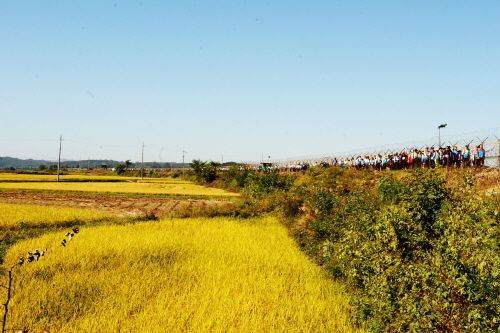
182,275
18,216
5,177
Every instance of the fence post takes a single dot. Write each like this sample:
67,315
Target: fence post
498,153
498,157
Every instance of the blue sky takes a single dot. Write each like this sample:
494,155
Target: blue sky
242,79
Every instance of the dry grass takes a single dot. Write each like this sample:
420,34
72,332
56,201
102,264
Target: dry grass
189,275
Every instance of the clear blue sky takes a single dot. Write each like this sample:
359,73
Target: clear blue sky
242,79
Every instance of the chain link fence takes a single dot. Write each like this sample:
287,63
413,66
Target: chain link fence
490,139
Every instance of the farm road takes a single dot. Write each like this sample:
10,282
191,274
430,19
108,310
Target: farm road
122,206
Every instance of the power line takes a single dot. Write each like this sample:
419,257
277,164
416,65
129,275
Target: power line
101,145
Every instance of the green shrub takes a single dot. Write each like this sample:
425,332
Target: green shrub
120,169
261,184
205,171
419,253
424,260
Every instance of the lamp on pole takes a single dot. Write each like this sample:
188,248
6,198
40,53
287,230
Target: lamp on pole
439,133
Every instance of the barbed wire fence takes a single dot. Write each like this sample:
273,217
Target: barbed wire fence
490,139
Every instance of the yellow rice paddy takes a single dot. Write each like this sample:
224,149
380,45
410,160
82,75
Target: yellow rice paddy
121,187
84,177
13,215
180,275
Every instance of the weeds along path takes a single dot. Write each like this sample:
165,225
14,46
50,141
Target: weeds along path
182,275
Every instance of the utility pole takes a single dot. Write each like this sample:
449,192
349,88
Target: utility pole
183,152
59,161
142,162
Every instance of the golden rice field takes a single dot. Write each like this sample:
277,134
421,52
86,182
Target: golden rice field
178,275
164,180
84,177
121,187
14,215
35,177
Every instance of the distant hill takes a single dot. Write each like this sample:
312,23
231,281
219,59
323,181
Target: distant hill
30,164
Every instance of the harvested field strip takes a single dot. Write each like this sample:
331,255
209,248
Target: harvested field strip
127,206
136,188
176,275
118,194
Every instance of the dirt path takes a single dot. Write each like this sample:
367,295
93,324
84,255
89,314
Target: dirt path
122,206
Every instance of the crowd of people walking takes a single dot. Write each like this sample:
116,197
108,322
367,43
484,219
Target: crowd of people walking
430,157
453,157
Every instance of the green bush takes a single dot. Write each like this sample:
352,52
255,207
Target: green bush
120,169
235,178
205,171
259,185
424,260
418,252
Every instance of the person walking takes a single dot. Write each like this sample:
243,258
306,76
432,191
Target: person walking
481,155
454,157
460,158
474,157
466,157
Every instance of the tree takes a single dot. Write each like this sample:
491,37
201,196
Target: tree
205,171
42,167
120,168
209,173
197,166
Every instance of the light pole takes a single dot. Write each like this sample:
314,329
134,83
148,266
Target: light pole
439,133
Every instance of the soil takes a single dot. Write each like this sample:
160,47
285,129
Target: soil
122,206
